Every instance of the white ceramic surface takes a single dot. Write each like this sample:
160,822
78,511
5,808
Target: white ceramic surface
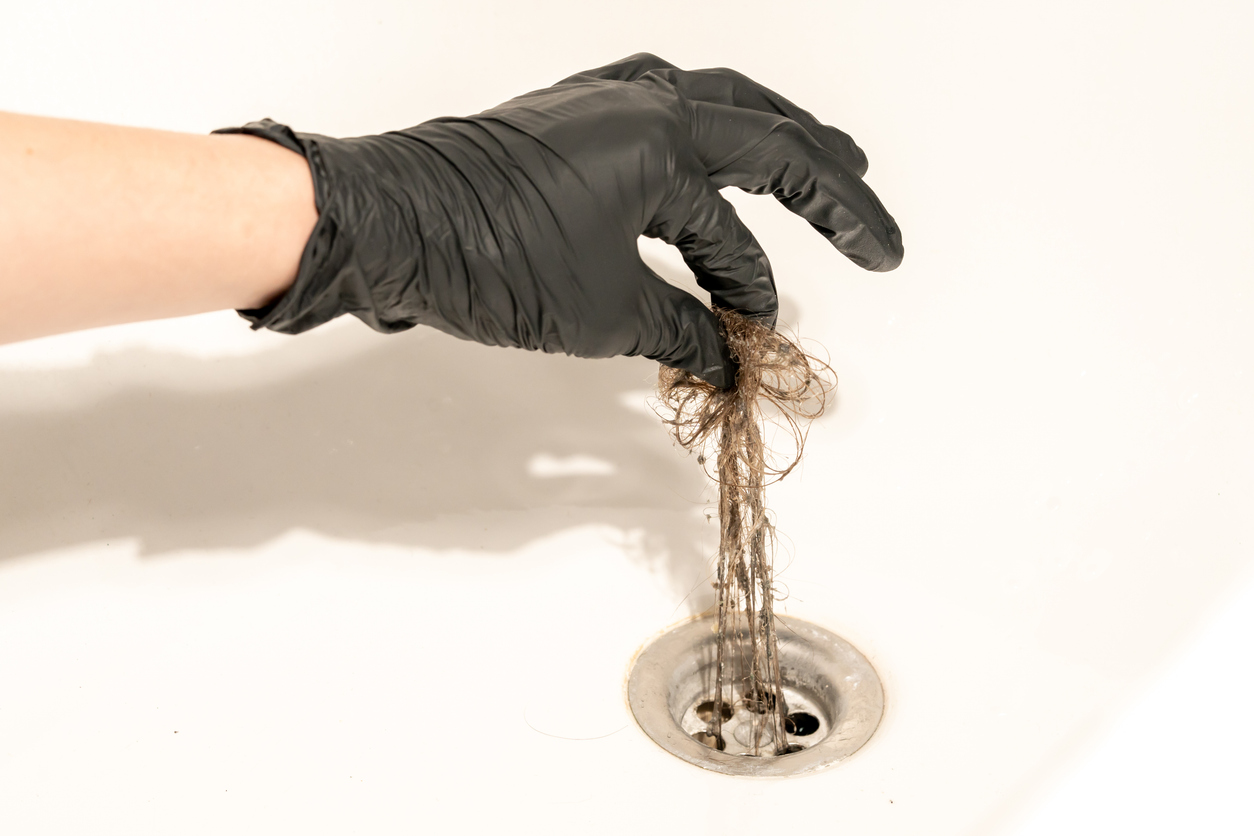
352,583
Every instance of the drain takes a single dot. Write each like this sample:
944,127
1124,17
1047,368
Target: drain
832,694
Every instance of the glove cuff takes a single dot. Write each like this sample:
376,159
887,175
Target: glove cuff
332,278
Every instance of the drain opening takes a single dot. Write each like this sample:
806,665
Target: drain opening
801,724
705,711
832,696
710,739
761,703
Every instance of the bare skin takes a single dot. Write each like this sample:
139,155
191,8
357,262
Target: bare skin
102,224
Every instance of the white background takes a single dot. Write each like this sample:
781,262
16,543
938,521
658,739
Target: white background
347,583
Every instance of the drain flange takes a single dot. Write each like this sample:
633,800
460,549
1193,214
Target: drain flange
833,695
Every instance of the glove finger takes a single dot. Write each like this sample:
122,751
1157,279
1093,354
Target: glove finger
625,69
680,332
716,245
722,86
769,154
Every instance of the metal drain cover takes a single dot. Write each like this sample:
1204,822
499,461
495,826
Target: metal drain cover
834,699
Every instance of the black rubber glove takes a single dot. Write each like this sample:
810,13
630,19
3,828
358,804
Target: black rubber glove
518,226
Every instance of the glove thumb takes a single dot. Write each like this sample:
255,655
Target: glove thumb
680,332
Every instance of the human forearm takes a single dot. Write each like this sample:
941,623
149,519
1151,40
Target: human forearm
101,224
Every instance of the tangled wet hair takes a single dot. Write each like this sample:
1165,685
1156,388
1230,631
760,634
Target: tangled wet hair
778,383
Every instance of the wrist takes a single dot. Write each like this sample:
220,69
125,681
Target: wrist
274,213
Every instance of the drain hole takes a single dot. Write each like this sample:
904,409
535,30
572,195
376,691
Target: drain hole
789,749
801,723
761,703
711,740
705,711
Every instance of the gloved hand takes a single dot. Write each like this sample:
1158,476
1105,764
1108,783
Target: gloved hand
518,226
